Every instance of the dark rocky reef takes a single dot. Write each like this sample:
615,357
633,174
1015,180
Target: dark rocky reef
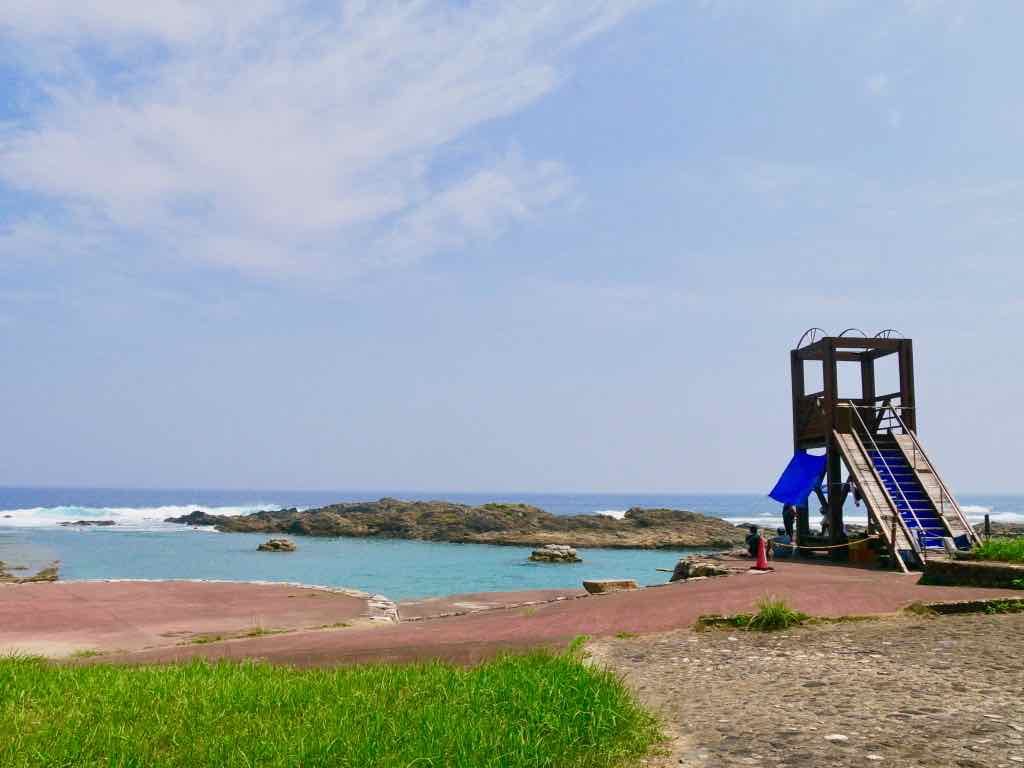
100,523
277,545
1002,530
514,524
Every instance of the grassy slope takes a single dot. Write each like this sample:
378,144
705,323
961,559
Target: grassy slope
1008,550
536,710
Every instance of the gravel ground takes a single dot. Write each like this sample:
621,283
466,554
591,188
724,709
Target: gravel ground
906,691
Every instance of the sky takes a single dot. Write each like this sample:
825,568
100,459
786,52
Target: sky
462,245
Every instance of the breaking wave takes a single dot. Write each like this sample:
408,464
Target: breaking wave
125,518
618,514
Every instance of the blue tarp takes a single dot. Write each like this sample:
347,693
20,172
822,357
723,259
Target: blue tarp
800,477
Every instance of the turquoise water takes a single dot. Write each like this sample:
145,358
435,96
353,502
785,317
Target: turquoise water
398,569
142,546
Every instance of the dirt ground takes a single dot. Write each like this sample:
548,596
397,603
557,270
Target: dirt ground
899,691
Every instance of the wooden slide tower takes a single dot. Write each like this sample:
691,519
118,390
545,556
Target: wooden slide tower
873,436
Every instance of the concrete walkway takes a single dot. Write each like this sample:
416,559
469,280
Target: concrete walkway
817,589
64,618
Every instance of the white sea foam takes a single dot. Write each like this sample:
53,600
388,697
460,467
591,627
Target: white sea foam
618,514
975,510
134,518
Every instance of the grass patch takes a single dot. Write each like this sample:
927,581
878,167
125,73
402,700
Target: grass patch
1004,606
626,635
264,631
772,615
1003,550
203,639
540,709
920,609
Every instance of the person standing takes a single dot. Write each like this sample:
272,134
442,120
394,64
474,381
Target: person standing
789,518
753,537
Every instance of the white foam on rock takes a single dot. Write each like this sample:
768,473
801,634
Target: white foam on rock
125,518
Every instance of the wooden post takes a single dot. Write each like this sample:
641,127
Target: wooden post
907,399
988,526
834,467
796,367
796,370
892,541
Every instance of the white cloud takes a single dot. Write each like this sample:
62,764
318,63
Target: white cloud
256,136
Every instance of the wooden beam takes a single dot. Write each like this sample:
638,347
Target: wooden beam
855,342
796,371
907,399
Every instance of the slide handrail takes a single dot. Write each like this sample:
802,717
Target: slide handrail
943,489
897,520
892,476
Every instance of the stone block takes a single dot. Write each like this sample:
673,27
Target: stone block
604,586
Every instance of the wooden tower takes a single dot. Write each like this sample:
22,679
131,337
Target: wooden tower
819,416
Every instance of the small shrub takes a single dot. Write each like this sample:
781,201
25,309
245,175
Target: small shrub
714,621
920,609
1004,606
1002,549
774,614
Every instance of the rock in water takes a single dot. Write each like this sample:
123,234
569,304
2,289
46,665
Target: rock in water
103,523
603,586
277,545
689,569
555,553
515,524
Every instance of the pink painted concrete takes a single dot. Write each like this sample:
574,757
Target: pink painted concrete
821,590
473,602
59,618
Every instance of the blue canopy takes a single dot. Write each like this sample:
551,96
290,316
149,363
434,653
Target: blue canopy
800,477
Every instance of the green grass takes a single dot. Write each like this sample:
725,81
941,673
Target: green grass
772,615
1004,606
534,710
1006,550
920,609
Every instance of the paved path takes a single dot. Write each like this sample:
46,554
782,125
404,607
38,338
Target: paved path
900,692
62,618
822,590
474,602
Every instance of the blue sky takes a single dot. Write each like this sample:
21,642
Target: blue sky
474,246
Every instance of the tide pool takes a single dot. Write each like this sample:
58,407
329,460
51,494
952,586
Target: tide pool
396,568
142,546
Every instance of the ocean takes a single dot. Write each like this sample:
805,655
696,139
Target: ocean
142,546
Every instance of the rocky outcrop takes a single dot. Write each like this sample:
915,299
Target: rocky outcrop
555,553
85,523
1002,530
515,524
691,568
277,545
